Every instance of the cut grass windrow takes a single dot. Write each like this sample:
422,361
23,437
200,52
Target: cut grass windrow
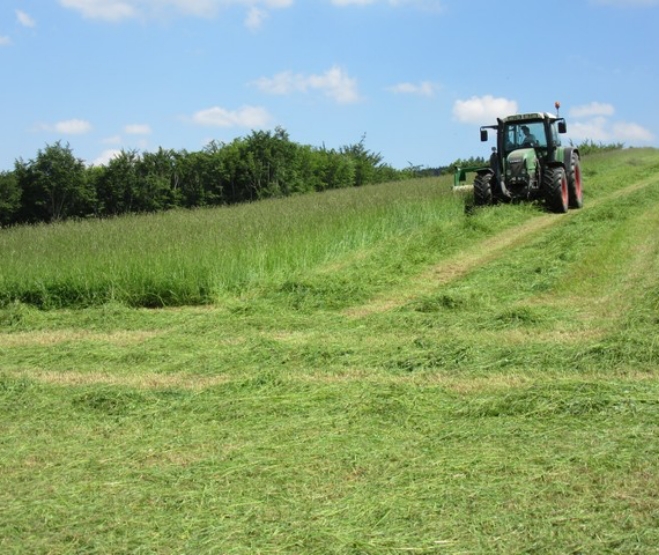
485,252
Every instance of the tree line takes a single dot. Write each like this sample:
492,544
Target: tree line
56,185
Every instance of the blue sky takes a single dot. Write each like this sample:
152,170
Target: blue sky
416,78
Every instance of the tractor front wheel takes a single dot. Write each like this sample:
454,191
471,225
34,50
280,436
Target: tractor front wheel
554,184
574,183
483,189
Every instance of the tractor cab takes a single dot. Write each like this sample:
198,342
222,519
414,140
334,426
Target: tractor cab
529,134
534,130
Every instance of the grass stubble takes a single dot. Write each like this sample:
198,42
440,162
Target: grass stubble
422,381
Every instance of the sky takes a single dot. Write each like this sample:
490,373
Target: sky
413,79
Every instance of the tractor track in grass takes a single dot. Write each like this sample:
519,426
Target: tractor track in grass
477,256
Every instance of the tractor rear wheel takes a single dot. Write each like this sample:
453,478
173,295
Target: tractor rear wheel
574,182
483,189
555,187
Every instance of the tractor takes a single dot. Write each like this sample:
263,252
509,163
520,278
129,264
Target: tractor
529,163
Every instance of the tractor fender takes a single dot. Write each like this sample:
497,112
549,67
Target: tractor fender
568,156
569,151
555,164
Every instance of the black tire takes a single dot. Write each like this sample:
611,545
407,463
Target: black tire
574,183
483,189
555,188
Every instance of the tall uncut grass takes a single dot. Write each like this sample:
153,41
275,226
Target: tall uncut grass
192,257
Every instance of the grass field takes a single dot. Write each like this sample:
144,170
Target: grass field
373,371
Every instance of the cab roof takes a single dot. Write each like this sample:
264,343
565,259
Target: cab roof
530,116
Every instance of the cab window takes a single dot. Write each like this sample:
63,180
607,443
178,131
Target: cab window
524,135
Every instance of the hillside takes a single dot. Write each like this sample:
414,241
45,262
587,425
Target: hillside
364,371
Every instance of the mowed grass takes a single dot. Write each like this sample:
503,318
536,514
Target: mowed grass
417,379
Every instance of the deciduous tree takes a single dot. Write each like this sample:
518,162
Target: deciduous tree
10,197
54,186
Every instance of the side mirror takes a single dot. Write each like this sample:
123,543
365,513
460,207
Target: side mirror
483,135
562,127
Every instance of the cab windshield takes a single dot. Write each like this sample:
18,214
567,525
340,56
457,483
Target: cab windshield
524,135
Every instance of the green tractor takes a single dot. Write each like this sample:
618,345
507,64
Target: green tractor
529,163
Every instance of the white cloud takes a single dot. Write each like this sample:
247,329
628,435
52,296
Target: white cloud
425,88
591,110
117,10
255,18
4,41
282,83
73,127
257,10
483,110
114,140
106,156
246,116
631,132
600,129
68,127
25,20
593,130
138,129
334,83
109,10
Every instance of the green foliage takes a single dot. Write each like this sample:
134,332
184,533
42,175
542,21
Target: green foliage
10,197
117,184
366,163
55,186
471,162
591,147
329,169
133,183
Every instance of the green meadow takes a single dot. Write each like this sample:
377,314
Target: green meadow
376,370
